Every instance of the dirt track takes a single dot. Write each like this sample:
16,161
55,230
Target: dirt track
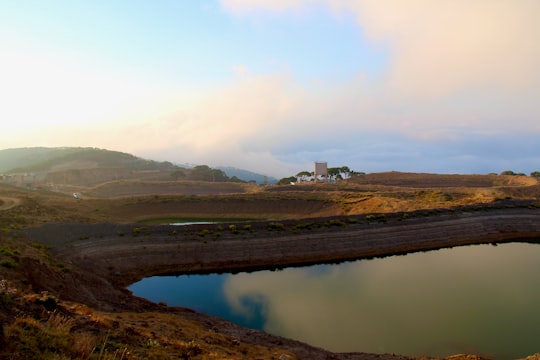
7,203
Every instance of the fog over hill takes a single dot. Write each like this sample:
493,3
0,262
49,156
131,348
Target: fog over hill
39,159
247,175
93,165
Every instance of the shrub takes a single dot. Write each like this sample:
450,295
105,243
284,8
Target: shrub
335,223
378,217
276,226
404,216
204,232
48,301
139,230
9,252
8,263
62,266
39,246
190,350
305,225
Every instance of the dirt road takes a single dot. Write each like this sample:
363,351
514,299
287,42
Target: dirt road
7,203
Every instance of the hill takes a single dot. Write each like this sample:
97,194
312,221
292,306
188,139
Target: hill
53,168
68,169
42,159
248,176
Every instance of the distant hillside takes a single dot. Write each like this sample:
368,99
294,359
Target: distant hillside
246,175
59,168
56,168
41,159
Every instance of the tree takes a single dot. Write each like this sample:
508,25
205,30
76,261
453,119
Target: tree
287,180
177,174
219,175
339,173
206,173
508,172
344,170
304,176
333,172
236,179
535,174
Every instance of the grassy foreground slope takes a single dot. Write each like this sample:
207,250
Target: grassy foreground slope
39,322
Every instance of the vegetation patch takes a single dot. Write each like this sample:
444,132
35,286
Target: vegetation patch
204,232
140,230
335,222
306,225
275,226
376,218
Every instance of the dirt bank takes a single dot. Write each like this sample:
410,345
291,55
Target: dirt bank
124,254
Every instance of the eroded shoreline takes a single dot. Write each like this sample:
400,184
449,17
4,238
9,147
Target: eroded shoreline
127,253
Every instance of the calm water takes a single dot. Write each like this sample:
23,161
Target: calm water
477,299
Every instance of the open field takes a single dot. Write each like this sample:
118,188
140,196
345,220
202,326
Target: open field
76,256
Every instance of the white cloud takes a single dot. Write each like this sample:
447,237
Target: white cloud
439,47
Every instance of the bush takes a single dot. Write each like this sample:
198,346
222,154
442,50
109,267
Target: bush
204,232
139,230
305,225
276,226
335,223
48,301
8,263
378,217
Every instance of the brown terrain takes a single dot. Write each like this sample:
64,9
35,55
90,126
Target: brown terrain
68,262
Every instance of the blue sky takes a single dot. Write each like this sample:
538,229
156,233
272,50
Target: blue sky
272,86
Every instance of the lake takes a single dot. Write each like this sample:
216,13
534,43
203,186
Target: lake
476,299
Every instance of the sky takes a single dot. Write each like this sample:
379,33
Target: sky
440,86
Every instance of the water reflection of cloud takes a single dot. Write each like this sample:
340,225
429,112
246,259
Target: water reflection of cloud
450,299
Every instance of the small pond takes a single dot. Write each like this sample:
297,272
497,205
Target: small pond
477,299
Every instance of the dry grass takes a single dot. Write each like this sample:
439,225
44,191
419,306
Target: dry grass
73,331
